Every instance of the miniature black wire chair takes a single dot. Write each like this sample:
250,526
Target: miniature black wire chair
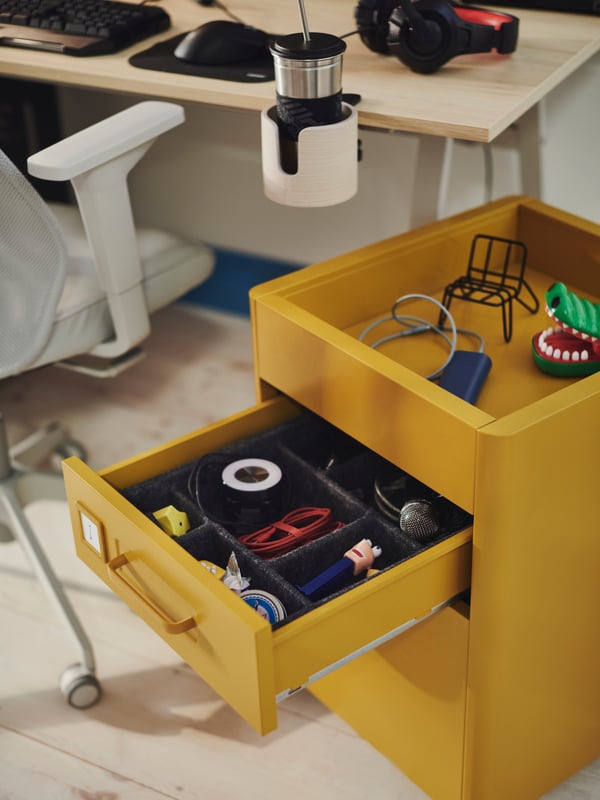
495,277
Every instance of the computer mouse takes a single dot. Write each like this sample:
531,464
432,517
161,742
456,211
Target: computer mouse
222,42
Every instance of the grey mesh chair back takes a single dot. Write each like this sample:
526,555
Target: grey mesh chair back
33,265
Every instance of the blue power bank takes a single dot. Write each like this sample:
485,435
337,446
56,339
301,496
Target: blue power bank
465,374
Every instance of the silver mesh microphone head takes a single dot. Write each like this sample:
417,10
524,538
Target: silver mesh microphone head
419,519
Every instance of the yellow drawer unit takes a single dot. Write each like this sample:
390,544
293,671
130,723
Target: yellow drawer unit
479,640
525,711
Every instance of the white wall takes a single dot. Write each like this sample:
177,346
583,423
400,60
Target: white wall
204,179
571,149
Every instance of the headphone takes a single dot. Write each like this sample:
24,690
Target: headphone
425,34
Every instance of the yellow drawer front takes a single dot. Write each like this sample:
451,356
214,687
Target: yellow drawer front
221,637
382,396
408,698
248,662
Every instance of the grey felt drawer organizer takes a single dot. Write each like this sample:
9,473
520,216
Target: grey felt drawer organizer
321,467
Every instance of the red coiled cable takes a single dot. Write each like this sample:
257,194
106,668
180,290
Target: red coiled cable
297,527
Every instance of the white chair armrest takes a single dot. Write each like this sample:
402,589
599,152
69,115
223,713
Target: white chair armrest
105,140
97,161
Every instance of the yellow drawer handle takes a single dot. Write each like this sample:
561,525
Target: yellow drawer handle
169,625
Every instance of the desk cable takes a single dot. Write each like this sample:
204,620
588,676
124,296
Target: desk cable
416,325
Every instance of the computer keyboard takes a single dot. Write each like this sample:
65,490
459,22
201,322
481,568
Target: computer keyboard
78,27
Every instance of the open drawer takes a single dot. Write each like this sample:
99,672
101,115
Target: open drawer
250,662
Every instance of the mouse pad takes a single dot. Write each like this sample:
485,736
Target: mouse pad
161,57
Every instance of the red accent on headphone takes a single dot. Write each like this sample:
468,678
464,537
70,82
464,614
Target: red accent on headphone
480,17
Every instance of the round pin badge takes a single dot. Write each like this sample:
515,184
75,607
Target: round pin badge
266,604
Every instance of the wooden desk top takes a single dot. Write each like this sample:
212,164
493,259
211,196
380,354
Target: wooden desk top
472,98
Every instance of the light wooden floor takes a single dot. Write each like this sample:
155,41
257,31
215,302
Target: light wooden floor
159,731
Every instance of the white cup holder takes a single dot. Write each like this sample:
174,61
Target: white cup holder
327,162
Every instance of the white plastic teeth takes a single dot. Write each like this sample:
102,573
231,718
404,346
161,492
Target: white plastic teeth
555,352
568,329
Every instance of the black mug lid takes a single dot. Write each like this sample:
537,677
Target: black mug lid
320,45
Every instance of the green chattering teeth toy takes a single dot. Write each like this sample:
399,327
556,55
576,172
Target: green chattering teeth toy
571,348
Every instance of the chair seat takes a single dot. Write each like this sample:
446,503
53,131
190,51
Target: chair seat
171,266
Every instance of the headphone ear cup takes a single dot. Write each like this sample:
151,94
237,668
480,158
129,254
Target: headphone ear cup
425,34
427,49
372,18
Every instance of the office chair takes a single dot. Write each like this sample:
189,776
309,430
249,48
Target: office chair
79,281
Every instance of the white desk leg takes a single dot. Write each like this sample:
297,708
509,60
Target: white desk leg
530,144
434,159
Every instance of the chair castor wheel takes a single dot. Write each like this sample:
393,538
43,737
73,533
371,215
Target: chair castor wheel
80,687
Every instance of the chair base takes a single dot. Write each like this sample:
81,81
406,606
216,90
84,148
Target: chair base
98,367
20,485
